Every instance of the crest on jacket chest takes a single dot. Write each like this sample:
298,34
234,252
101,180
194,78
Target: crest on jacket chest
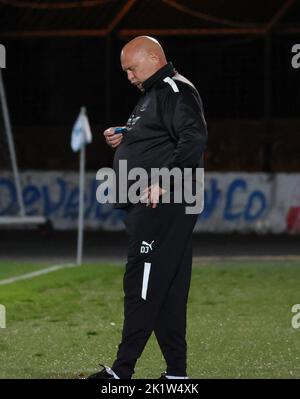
144,105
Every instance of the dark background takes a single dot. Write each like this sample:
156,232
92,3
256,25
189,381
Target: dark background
250,91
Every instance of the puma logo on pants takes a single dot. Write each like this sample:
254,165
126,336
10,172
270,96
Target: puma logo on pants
145,247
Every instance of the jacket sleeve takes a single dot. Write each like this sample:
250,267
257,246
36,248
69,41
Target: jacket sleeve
184,119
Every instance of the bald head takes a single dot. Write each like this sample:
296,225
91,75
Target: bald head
141,58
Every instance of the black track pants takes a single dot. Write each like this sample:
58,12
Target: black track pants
156,285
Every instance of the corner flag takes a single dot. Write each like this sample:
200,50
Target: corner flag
81,133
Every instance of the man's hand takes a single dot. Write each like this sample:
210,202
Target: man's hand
112,139
152,194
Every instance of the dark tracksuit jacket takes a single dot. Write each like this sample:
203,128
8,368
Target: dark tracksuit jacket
167,128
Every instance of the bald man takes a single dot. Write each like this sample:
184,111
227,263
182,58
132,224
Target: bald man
167,128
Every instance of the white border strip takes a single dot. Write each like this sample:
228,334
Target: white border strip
16,220
35,274
172,84
147,267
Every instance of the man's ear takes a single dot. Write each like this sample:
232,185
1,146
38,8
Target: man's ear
154,58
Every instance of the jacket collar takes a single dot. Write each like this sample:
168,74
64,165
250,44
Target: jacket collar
166,70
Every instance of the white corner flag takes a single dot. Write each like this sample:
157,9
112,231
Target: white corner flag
81,135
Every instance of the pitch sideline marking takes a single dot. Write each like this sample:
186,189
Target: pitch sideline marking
36,273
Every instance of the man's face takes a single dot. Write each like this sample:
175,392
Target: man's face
138,65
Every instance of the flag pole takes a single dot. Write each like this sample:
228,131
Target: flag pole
81,206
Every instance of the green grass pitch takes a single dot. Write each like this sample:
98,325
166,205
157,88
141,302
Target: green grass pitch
62,324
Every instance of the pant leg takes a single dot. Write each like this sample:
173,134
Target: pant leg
149,274
170,327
